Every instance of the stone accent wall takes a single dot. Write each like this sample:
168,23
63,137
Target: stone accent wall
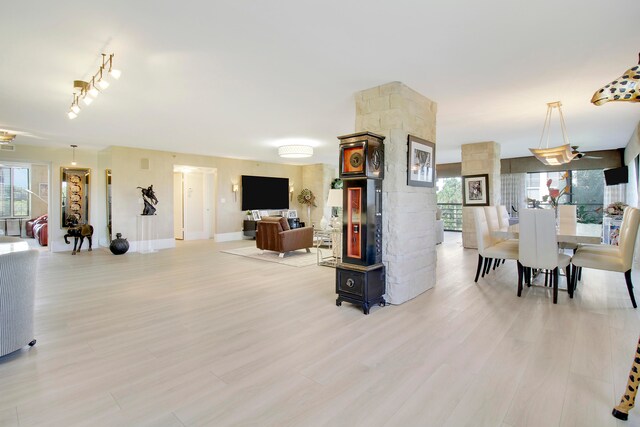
409,251
480,158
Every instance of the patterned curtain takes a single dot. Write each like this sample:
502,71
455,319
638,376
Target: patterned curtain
632,186
513,191
615,193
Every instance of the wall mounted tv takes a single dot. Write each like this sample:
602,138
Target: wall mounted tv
616,176
263,192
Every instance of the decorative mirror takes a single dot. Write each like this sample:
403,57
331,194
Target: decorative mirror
108,205
74,195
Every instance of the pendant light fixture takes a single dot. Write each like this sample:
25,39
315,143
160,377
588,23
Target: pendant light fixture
73,148
553,156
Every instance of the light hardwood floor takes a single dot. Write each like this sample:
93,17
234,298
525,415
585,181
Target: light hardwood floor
195,337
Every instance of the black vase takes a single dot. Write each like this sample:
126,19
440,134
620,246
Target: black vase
119,245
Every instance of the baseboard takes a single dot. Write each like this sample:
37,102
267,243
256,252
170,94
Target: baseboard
195,235
228,237
133,245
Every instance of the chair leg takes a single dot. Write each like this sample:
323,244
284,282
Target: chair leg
568,275
546,277
627,401
484,267
527,275
495,263
555,278
520,275
579,273
627,277
479,267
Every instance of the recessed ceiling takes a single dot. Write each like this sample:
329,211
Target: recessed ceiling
233,78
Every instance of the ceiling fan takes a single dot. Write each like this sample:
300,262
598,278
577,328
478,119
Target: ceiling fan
577,155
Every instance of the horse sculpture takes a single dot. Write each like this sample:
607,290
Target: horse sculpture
78,232
150,200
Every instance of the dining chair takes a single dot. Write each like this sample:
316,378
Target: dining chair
611,258
488,247
539,247
503,217
567,221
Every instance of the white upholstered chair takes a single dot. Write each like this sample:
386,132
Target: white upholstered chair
17,295
567,221
488,247
612,258
503,217
539,246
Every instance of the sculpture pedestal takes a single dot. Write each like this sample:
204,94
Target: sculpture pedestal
146,233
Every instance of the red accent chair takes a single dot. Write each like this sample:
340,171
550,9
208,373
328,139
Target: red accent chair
39,229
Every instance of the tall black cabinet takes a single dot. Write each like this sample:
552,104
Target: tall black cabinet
360,277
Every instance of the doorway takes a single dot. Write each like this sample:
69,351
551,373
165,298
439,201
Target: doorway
193,202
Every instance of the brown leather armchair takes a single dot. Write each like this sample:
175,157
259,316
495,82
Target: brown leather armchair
273,234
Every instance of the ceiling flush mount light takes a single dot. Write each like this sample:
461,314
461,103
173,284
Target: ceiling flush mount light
6,137
295,151
88,91
553,156
73,148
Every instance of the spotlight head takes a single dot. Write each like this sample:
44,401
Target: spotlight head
103,84
72,115
75,108
94,92
115,73
87,100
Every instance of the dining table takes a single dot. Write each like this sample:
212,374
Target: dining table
574,233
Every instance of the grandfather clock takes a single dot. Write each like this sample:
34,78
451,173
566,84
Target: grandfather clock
360,277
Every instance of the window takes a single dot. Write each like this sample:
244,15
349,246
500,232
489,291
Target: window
14,194
587,191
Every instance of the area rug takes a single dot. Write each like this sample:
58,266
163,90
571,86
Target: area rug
298,258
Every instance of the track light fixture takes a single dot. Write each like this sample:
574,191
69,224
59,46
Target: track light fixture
88,91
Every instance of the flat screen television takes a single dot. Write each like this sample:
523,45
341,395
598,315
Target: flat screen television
263,192
616,176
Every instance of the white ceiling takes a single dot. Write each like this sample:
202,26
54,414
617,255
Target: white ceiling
236,78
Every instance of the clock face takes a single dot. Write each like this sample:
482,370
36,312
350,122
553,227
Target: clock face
353,160
356,160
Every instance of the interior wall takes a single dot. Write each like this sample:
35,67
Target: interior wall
228,214
317,178
39,204
178,210
57,157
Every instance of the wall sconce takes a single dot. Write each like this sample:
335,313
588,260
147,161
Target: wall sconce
235,189
291,192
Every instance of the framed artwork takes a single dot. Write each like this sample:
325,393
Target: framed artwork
421,162
263,214
43,190
255,215
74,196
475,190
292,214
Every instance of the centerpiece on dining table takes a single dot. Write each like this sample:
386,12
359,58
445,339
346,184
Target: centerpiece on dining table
556,193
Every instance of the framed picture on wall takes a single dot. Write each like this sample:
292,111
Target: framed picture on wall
475,190
43,190
421,162
263,214
255,215
292,214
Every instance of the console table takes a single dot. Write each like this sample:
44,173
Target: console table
249,228
328,244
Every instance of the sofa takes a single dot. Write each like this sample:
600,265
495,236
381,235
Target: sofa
17,295
38,228
274,234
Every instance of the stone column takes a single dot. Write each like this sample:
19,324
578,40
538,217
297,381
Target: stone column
480,158
409,250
